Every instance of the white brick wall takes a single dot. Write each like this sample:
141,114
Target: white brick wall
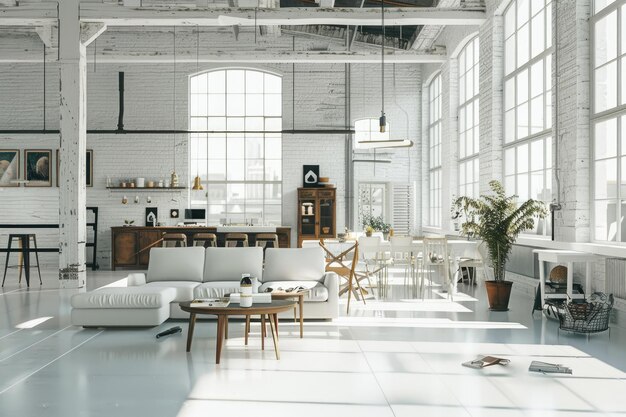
319,94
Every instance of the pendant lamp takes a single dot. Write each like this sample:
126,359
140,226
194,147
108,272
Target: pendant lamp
382,121
197,182
174,176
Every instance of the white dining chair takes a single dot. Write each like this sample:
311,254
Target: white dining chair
375,263
402,254
435,255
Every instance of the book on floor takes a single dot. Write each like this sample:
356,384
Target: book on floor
548,368
210,302
483,361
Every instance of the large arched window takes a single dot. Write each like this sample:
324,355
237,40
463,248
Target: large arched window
434,154
469,120
241,164
609,121
528,102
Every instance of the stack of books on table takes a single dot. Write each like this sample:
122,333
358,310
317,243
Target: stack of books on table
210,302
260,298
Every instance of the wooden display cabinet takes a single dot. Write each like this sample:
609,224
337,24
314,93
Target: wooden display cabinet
317,214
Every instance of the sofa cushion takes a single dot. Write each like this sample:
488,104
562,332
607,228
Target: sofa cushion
124,297
215,289
184,289
318,293
227,264
298,264
176,264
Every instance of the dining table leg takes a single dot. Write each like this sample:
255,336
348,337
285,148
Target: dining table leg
192,324
301,307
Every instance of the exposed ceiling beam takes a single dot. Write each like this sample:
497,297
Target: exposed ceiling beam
311,57
39,14
303,57
125,16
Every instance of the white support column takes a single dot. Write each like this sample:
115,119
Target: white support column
72,155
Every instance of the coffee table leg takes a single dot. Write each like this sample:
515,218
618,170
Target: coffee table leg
295,314
192,323
275,318
220,337
247,329
301,306
274,336
262,331
226,327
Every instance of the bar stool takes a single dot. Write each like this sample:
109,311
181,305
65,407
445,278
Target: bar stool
267,240
236,240
204,239
24,256
174,240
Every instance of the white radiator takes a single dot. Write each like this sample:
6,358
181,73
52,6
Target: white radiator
616,277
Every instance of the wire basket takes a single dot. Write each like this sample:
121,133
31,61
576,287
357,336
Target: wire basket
591,316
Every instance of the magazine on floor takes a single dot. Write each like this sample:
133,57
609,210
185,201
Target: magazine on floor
483,361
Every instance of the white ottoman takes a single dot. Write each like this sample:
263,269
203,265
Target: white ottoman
122,306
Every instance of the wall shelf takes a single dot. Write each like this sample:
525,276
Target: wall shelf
146,188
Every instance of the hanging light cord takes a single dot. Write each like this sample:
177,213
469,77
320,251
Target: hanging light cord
174,103
382,10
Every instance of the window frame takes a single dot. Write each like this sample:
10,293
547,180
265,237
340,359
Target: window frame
434,149
547,131
209,183
617,112
473,101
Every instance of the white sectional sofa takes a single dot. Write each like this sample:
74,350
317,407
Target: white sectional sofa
182,274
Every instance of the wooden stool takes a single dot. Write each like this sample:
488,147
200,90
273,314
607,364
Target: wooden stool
24,256
174,240
204,239
267,240
236,240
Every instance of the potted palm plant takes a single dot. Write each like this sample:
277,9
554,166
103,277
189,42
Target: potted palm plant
498,220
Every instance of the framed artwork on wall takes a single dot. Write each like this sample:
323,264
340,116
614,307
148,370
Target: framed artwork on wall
88,168
9,167
37,167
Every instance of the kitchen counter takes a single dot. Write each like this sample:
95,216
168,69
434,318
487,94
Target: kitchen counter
131,245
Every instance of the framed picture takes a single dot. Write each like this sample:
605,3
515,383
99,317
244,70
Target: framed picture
9,167
310,175
37,167
88,168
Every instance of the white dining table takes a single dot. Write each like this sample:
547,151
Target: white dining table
459,248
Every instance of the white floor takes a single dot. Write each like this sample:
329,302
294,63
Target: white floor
395,358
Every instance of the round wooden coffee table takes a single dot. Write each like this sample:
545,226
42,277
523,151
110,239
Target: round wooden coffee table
269,310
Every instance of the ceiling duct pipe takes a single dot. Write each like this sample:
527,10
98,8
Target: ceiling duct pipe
120,117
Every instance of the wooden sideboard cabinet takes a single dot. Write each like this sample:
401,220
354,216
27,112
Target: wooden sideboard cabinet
130,246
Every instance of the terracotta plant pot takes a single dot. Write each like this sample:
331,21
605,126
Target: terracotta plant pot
498,293
368,233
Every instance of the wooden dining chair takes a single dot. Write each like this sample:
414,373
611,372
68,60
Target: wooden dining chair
344,265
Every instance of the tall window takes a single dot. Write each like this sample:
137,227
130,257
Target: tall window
241,166
469,120
609,121
528,102
434,155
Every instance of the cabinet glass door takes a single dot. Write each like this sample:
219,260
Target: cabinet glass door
307,217
327,228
